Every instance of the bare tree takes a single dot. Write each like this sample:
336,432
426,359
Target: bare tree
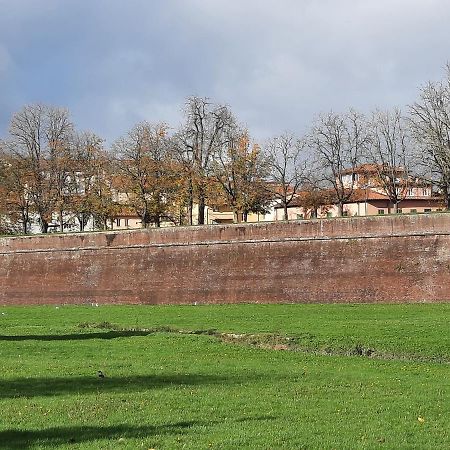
338,142
203,134
41,136
390,155
430,124
287,164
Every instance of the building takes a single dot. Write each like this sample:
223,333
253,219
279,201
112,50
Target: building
368,196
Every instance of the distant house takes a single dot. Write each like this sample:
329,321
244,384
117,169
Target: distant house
367,196
223,214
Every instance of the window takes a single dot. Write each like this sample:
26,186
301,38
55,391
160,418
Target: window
399,211
126,223
427,210
410,191
118,222
381,211
345,213
424,191
347,179
439,209
414,211
299,216
329,214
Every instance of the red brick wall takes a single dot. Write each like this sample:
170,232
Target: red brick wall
373,259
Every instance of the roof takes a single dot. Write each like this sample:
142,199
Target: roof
361,195
358,195
370,169
126,211
324,196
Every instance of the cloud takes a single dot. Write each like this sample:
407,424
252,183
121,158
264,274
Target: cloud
276,63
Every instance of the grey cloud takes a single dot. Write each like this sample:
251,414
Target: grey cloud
276,63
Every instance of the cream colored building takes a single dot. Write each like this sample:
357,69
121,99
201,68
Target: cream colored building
368,198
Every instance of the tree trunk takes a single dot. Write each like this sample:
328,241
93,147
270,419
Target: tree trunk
81,221
24,225
340,209
190,206
180,216
61,224
44,225
190,211
447,196
145,219
286,218
201,209
24,214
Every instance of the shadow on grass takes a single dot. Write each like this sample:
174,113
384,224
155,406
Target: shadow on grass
77,336
22,439
38,387
50,437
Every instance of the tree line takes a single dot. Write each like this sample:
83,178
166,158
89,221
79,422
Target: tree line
48,167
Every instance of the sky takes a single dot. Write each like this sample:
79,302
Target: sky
277,64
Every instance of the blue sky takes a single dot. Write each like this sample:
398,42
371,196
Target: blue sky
277,64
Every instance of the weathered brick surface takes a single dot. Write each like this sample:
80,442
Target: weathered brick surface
373,259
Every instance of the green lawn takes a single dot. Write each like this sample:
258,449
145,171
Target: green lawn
174,390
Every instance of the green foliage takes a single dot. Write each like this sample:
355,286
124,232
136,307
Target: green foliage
167,389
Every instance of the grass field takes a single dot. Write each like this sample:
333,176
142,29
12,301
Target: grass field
225,377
